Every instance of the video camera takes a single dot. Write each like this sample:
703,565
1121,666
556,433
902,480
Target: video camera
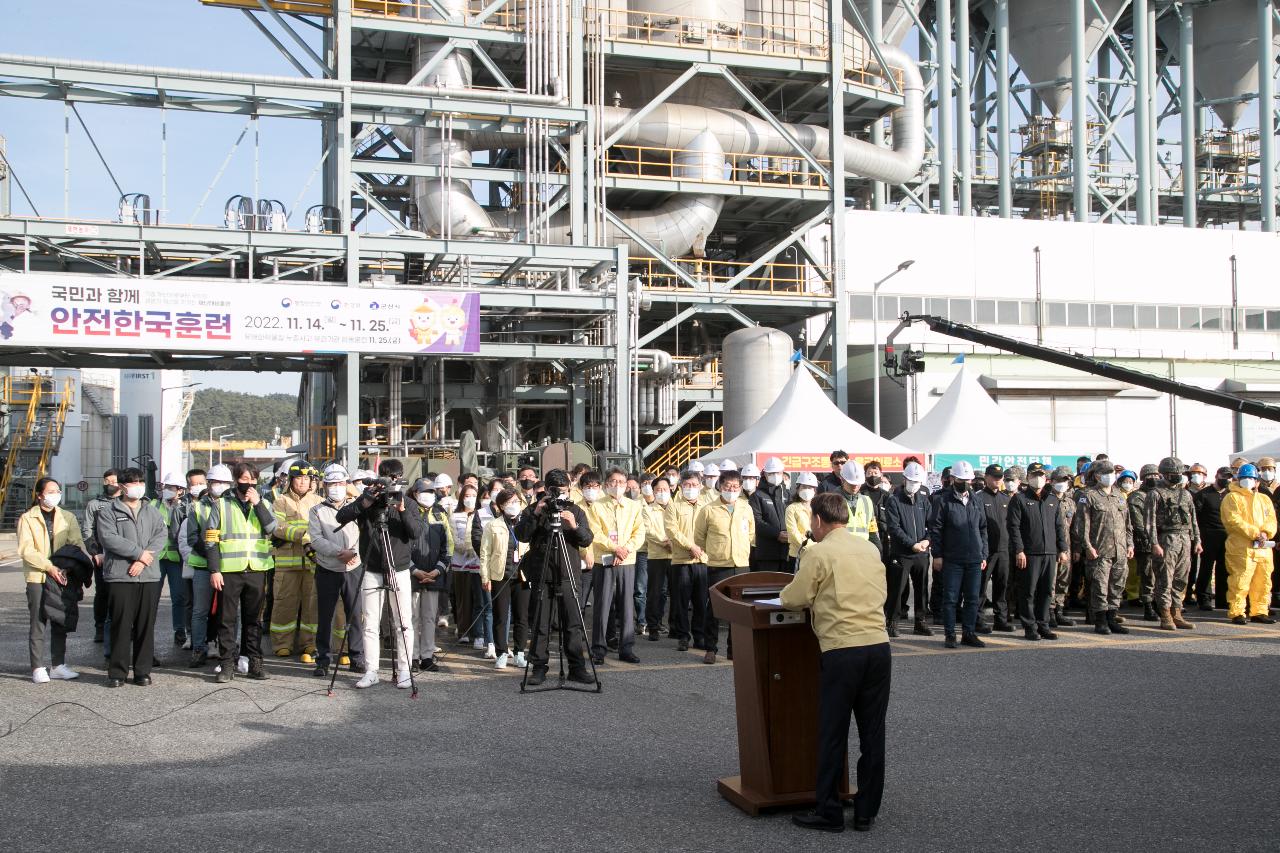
552,506
385,488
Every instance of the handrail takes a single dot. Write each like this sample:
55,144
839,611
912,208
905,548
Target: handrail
18,440
694,443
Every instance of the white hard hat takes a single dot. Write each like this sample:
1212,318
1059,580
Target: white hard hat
221,473
962,470
442,481
807,478
172,479
711,470
695,466
750,470
914,472
282,469
728,465
852,473
774,466
335,474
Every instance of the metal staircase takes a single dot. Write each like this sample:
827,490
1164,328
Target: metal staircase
685,447
37,413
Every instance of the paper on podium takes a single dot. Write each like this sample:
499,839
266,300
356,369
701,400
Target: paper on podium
773,602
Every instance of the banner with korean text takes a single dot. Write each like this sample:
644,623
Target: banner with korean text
45,310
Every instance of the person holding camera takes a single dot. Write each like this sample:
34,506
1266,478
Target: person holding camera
237,540
540,525
388,530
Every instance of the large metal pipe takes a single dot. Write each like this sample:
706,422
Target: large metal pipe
1079,117
1187,97
1267,112
946,156
1142,111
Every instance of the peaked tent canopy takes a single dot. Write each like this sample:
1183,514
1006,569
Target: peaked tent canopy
967,424
1253,454
802,427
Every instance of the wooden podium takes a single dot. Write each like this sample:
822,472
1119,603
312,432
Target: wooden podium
775,678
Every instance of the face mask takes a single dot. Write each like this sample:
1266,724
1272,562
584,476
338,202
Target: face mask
617,492
662,498
709,482
691,492
1036,483
52,499
730,496
1247,483
1222,484
336,493
1268,475
135,491
219,489
1171,479
197,490
1126,486
527,485
749,485
1011,486
111,491
776,479
910,487
961,488
243,488
873,480
449,503
646,490
884,486
426,500
1061,488
512,509
169,494
806,494
591,495
469,502
1198,479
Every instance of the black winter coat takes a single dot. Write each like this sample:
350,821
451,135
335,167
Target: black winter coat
61,604
907,520
1036,527
958,530
768,505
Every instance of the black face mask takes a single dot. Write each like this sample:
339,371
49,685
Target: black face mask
1150,482
112,491
961,487
243,488
1222,484
1173,479
873,480
527,485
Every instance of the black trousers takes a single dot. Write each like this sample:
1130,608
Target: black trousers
510,610
330,587
900,571
658,592
710,624
555,600
133,628
998,569
269,598
1035,590
681,583
242,595
101,595
1213,569
854,681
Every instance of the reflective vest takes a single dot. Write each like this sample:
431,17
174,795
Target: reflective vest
197,515
862,515
241,543
170,552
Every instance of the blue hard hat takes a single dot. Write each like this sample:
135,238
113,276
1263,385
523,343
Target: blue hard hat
1248,471
1129,474
1086,467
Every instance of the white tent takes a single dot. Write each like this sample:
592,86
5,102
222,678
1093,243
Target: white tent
802,427
967,424
1253,454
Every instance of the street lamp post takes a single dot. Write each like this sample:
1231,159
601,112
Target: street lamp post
212,430
162,415
875,343
221,439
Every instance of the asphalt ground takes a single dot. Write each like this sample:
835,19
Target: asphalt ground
1088,743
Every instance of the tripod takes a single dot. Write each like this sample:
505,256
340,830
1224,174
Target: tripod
549,588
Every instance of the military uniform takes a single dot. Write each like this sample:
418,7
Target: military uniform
1137,503
1103,533
1062,577
1171,524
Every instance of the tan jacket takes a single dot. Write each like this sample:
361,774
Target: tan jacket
796,520
33,541
292,516
841,580
726,536
615,524
678,520
494,542
655,532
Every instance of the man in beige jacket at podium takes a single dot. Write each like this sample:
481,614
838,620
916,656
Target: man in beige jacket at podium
841,581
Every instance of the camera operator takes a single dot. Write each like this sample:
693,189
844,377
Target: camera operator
536,526
383,503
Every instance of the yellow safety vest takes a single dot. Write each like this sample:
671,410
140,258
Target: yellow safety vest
241,543
862,516
170,551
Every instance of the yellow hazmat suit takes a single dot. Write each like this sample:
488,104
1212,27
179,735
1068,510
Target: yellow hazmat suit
1248,516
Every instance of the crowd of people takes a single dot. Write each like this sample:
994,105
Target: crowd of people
256,571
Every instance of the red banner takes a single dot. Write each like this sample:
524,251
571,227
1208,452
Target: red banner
820,463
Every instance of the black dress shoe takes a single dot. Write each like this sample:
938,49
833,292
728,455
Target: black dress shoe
1046,634
537,677
578,676
891,630
430,665
198,660
321,670
115,682
863,824
1030,634
655,635
97,634
1262,620
682,646
921,630
809,820
598,660
949,642
972,641
1239,620
629,657
1003,627
982,628
143,681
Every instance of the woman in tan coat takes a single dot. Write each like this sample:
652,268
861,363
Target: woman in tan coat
42,530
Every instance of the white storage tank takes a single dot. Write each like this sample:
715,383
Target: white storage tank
757,365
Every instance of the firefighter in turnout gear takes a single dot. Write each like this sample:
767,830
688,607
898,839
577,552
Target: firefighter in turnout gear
1174,536
294,609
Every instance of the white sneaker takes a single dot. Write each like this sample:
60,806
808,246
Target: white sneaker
502,661
62,672
490,653
478,643
402,679
369,679
242,665
217,668
437,651
520,661
40,676
186,644
442,622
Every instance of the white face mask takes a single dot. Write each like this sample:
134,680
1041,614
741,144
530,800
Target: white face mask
1106,480
135,491
169,494
646,490
806,493
51,499
1036,483
426,500
336,493
591,495
729,496
1198,479
1126,486
1268,475
219,489
749,485
776,479
1061,488
709,482
910,487
662,498
885,486
197,490
1247,483
1011,486
691,492
616,492
469,502
512,509
449,503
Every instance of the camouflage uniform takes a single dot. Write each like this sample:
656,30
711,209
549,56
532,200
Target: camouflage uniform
1062,580
1138,499
1102,522
1171,523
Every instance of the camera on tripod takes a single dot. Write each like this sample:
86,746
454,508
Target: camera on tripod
552,506
385,490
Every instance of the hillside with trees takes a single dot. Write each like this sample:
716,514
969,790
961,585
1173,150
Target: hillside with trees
250,416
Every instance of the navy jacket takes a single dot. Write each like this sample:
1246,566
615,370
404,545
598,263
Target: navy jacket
907,520
958,531
1035,526
768,505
